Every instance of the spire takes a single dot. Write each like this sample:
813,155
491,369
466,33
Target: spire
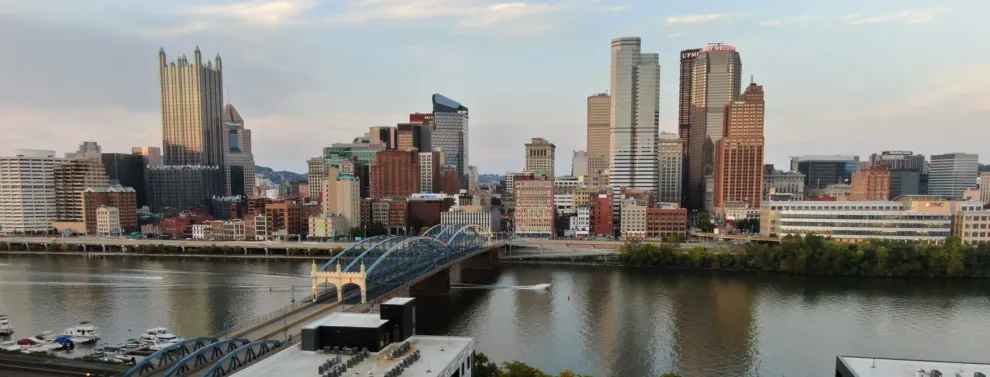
752,81
197,50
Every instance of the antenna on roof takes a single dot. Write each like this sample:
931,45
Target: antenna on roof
751,80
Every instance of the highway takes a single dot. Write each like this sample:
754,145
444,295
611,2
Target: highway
118,241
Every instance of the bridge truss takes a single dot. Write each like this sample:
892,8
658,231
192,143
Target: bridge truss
168,355
380,263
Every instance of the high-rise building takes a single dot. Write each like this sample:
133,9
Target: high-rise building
412,135
535,211
716,79
872,183
540,156
684,98
739,153
71,179
906,182
823,170
449,181
599,106
124,199
898,160
634,119
395,174
363,153
342,197
951,174
985,187
285,219
192,107
429,171
127,170
27,191
88,149
472,178
579,163
239,160
425,119
385,135
174,189
450,132
316,168
670,165
602,214
152,156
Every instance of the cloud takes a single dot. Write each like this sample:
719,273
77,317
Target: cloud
786,21
959,89
908,17
694,18
469,13
259,13
189,28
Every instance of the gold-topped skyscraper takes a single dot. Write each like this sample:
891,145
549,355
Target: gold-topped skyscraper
192,108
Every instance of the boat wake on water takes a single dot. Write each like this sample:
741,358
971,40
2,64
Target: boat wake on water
537,287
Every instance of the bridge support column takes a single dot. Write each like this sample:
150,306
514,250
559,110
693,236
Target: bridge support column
245,251
104,248
480,269
436,285
84,247
266,251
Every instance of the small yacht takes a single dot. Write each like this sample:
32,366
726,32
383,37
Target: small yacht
5,327
162,334
10,346
84,333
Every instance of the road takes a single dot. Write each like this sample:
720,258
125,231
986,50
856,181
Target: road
117,241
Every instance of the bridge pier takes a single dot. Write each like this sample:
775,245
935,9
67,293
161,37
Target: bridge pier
266,251
104,248
436,285
480,269
245,250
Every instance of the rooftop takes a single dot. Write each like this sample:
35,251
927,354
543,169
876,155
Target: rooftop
871,367
399,301
348,320
437,353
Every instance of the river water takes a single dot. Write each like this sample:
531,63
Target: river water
594,320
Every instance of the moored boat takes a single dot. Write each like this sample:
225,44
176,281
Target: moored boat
10,346
162,334
5,327
84,333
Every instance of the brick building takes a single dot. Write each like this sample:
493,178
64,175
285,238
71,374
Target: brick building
286,218
872,183
395,174
398,217
535,211
739,153
666,222
602,214
449,181
124,199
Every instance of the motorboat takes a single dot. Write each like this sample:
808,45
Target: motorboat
158,346
162,334
28,342
5,327
10,346
84,333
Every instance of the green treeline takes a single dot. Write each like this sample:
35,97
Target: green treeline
814,255
485,368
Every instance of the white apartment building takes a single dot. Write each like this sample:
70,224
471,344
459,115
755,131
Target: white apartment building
911,218
633,219
27,191
951,174
564,189
379,213
985,187
581,223
426,172
199,231
108,221
472,215
327,226
261,227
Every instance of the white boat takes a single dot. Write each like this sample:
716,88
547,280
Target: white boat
84,333
10,346
5,326
162,334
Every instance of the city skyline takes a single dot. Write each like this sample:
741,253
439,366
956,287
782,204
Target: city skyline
290,91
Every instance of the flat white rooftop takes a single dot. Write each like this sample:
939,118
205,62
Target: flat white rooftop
870,367
349,320
293,361
398,301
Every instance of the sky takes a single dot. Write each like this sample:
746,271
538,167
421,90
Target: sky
840,76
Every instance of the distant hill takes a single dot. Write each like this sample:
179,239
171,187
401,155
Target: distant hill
279,176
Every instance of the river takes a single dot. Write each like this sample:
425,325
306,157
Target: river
594,320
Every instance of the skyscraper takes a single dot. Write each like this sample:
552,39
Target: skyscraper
684,111
579,164
540,156
152,156
598,132
412,135
634,117
951,174
27,191
450,132
192,107
715,82
739,153
238,158
387,135
670,164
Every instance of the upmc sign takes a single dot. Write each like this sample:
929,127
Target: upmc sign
688,54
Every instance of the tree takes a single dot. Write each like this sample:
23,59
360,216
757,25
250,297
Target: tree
422,230
483,367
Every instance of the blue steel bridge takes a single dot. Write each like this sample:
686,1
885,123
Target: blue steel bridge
378,264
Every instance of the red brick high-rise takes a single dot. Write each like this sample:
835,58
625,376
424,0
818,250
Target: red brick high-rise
739,153
449,181
395,174
602,214
872,183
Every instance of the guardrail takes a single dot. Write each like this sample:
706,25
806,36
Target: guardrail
259,319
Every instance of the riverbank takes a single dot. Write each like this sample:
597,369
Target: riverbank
166,255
